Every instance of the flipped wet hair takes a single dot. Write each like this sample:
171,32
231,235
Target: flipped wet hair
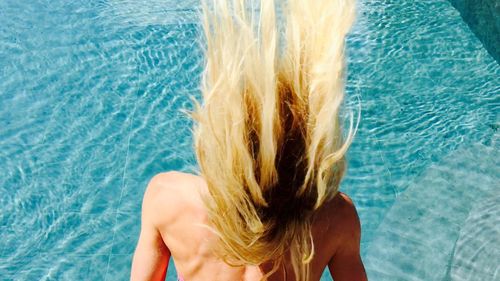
267,133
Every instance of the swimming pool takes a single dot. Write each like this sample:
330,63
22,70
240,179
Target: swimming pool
89,96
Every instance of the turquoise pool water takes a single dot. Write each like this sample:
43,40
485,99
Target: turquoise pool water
89,99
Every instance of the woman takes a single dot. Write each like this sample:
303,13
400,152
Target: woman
269,144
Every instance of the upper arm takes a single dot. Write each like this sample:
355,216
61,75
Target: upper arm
151,256
346,263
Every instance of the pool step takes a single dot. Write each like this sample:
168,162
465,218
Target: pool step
416,240
477,255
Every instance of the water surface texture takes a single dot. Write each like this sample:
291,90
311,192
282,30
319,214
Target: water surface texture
90,93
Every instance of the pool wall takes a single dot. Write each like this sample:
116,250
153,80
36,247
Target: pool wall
483,18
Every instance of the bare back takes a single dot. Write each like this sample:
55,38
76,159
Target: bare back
173,211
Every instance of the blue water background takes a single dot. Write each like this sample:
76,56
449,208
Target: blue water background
90,93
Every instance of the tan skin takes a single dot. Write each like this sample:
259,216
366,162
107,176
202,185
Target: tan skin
172,218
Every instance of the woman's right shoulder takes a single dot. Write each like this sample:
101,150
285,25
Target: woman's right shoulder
340,216
344,209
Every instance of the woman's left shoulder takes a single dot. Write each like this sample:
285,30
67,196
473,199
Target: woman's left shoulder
169,193
170,182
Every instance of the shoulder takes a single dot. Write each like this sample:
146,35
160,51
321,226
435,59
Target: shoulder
345,206
342,208
164,185
168,194
345,261
348,216
342,219
165,178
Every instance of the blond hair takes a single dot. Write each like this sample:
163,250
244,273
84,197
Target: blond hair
268,136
